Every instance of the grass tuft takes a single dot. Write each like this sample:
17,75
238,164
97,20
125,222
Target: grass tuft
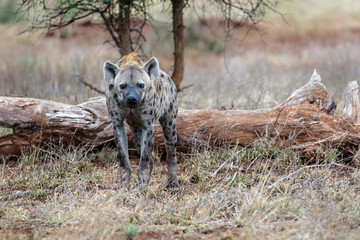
131,231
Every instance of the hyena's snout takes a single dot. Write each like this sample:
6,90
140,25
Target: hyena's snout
132,100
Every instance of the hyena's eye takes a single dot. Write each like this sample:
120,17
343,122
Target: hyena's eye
141,85
123,86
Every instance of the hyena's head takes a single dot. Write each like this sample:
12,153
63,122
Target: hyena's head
131,79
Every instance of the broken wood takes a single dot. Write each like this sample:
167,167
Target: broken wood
304,121
352,105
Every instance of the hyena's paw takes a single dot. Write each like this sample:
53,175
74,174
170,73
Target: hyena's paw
125,185
171,185
143,178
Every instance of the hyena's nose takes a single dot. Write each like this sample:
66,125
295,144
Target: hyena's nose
131,101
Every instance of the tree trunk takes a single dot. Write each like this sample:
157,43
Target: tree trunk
125,46
304,121
178,31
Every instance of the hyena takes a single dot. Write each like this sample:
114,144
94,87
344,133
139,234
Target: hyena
140,94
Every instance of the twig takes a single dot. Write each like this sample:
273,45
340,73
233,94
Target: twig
89,85
188,86
226,162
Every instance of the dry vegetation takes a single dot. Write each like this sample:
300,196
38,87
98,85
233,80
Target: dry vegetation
262,191
257,192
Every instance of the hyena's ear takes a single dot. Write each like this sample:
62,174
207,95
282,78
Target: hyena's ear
110,71
152,68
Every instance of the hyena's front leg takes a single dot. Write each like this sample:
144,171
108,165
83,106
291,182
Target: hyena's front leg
146,158
123,155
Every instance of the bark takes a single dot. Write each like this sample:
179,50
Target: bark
125,46
178,33
304,121
352,105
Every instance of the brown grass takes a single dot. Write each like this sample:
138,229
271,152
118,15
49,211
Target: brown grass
258,192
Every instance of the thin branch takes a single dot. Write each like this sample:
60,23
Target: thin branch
89,85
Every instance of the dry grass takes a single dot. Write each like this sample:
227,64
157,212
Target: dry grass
258,192
262,191
48,68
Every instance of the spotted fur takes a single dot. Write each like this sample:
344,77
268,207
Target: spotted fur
140,94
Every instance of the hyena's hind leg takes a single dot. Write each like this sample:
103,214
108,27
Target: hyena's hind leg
136,133
168,124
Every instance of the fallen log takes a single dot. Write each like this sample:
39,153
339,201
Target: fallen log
304,121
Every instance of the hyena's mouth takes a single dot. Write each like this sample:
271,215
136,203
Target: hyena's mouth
132,102
132,105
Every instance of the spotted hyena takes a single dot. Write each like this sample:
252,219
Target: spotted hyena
141,93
